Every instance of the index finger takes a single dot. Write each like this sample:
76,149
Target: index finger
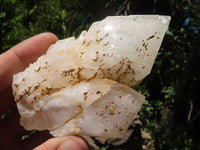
17,59
20,56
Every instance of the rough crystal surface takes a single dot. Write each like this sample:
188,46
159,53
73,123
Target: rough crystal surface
82,86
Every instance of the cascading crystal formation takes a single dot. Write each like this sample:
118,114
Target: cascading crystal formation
83,86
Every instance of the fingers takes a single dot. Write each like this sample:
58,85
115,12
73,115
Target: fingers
21,55
17,59
29,50
64,143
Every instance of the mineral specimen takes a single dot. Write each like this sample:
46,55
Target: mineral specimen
83,86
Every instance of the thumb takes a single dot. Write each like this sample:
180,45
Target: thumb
64,143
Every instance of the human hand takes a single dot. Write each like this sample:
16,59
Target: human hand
15,60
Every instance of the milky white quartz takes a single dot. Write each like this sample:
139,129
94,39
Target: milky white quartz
82,86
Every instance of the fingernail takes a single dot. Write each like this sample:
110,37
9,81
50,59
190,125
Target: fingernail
73,143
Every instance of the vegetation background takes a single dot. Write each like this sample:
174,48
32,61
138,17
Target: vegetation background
171,112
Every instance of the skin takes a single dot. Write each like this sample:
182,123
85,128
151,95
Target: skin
11,62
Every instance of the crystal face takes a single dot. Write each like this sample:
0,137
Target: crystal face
82,86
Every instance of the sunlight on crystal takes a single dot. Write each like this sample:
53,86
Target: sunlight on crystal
108,28
86,81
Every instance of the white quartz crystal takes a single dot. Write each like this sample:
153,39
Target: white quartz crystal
82,86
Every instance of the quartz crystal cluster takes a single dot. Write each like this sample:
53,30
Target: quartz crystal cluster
84,86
